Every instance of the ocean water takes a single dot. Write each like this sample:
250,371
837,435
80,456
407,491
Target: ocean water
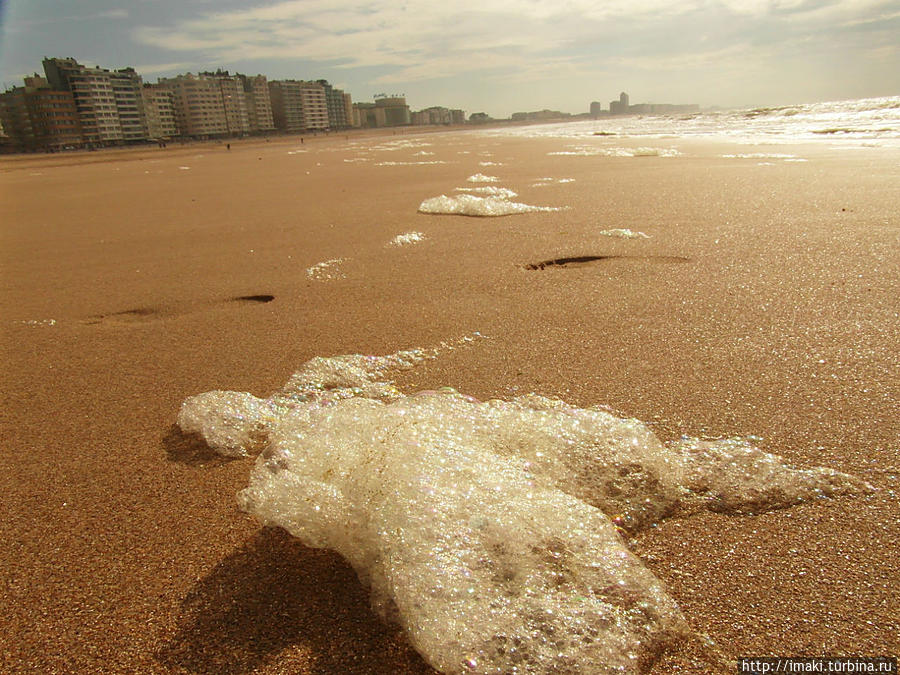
872,122
490,531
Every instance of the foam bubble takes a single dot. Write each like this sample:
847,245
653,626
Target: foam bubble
439,161
624,233
471,205
492,190
488,530
591,151
327,269
37,322
407,238
759,155
481,178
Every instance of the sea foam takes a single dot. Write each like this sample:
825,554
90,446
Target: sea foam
471,205
489,531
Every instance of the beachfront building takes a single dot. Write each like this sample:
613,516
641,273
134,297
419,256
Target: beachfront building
259,104
340,114
234,102
438,115
298,106
38,117
199,108
126,86
348,110
619,107
364,115
391,111
159,110
95,98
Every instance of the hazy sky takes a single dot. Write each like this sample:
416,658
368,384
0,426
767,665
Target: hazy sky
497,56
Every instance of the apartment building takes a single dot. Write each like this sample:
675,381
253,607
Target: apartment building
95,98
159,109
39,118
340,108
259,105
298,106
126,86
199,106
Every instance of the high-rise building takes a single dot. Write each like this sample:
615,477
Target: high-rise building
199,107
339,113
391,111
298,106
352,119
159,109
234,101
127,86
259,104
38,117
619,107
95,98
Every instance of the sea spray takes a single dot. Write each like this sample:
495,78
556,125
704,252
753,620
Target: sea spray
489,531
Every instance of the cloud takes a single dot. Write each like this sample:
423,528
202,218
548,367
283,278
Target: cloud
113,14
154,68
413,40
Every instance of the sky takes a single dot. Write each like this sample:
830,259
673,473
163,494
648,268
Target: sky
494,56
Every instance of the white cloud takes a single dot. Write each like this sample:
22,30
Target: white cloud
113,14
415,40
153,68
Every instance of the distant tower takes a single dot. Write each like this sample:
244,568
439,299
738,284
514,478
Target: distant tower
619,107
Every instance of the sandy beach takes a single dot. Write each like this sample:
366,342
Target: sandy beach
765,301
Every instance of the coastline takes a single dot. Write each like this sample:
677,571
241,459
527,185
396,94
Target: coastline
125,550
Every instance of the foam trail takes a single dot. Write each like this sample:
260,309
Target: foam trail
624,233
327,269
488,530
470,205
491,190
407,238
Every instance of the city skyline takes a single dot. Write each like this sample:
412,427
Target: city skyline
730,53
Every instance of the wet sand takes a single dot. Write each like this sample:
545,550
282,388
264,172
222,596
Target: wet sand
764,302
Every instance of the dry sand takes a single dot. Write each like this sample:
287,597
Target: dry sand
123,550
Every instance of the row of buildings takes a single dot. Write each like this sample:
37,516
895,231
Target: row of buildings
75,106
624,107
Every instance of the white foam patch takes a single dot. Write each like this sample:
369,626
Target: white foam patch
624,234
37,323
481,178
406,239
759,155
297,152
399,145
327,269
492,190
423,153
357,159
488,530
438,161
490,163
590,151
184,168
471,205
544,182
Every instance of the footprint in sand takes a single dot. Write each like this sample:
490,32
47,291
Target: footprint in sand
577,261
147,314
